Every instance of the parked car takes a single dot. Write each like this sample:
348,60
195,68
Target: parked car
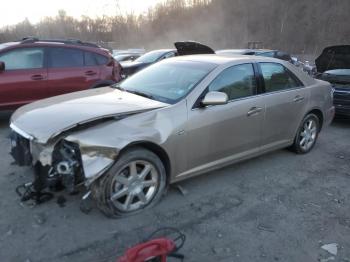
258,52
333,65
176,119
126,57
34,69
129,68
182,48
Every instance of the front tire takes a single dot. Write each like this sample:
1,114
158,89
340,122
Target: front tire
135,182
307,134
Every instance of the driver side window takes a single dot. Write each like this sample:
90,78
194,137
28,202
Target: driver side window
237,82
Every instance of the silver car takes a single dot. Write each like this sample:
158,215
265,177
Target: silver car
173,120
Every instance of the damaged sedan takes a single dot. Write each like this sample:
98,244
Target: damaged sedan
176,119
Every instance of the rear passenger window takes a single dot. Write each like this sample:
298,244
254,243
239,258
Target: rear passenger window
237,82
101,60
277,77
90,59
66,57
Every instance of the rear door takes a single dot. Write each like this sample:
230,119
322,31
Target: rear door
286,101
67,71
224,133
25,77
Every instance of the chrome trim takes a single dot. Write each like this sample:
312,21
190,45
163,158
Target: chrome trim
19,131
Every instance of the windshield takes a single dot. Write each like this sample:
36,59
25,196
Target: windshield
151,57
167,82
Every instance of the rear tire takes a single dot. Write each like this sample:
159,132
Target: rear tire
135,182
307,134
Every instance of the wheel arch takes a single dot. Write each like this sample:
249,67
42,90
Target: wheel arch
319,114
156,149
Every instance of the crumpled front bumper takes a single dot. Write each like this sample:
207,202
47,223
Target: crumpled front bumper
84,165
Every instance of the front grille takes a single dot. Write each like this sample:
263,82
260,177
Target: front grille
342,97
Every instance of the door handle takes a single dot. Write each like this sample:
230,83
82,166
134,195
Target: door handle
254,110
298,98
37,77
90,73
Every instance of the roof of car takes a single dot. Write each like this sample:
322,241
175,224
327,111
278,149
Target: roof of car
88,47
219,59
162,50
5,45
243,50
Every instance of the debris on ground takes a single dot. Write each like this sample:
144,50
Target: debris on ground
327,259
331,248
40,219
86,205
221,250
182,190
61,201
265,228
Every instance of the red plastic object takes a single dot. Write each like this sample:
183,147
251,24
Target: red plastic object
156,248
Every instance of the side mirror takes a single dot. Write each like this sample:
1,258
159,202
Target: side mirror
214,98
2,66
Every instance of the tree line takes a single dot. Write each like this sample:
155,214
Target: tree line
296,26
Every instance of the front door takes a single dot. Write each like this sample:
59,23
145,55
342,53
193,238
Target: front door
221,134
25,77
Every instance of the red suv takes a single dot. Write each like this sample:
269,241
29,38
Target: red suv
33,69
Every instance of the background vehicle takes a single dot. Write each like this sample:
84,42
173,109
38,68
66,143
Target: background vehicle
258,52
182,48
145,60
333,65
33,69
126,57
175,119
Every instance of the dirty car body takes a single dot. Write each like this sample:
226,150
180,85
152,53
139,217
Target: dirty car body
176,119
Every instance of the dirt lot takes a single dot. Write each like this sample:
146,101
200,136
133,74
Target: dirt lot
278,207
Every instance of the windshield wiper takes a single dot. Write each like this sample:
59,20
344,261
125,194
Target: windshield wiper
139,93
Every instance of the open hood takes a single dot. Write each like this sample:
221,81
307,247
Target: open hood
192,48
48,118
334,57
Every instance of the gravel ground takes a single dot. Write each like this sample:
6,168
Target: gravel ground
277,207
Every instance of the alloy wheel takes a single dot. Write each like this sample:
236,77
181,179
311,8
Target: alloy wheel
308,134
134,186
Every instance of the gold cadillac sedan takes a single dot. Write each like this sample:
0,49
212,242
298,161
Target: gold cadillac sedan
176,119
